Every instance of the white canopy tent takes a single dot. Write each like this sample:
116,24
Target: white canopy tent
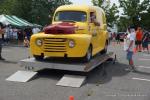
15,21
4,20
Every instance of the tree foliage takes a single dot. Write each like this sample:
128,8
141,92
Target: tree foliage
44,9
133,12
35,11
110,10
145,21
6,6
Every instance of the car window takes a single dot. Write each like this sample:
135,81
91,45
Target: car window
78,16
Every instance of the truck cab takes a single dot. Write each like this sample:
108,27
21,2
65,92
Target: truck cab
77,31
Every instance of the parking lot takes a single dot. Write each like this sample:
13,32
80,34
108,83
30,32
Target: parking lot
113,83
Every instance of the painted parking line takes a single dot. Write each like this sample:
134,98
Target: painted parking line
144,59
141,79
6,50
143,67
146,55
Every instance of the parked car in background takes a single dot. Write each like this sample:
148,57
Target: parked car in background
121,35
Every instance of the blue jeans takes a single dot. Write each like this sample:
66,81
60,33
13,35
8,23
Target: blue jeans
129,55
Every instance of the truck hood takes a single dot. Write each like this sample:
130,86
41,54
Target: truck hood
60,28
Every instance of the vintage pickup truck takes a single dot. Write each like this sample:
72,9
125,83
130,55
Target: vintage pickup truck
77,31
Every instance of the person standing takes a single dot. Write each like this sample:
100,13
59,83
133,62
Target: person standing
7,34
19,37
139,35
145,41
114,36
35,30
118,38
130,40
26,42
1,40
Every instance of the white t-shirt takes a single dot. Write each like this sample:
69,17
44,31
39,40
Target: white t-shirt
35,30
128,39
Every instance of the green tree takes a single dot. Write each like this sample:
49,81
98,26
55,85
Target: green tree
43,9
22,9
132,9
112,15
145,22
7,6
110,10
35,11
123,23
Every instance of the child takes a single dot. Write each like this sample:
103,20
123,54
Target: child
129,46
26,42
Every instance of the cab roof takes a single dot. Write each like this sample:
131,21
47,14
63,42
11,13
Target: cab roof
85,8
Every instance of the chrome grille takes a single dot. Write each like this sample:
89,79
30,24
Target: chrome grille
55,45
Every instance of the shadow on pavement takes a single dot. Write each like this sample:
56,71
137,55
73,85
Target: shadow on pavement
57,74
50,74
100,75
105,72
8,62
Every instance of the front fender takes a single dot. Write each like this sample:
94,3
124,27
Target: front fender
82,42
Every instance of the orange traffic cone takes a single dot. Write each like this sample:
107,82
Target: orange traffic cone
71,98
134,50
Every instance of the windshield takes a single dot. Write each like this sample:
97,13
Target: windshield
74,16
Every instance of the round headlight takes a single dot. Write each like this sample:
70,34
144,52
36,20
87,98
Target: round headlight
71,43
39,42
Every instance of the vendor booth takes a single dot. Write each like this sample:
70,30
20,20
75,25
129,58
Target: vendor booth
15,25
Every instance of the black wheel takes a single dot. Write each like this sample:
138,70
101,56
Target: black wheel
104,51
37,57
88,55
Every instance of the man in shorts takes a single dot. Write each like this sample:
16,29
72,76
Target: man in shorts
139,35
130,40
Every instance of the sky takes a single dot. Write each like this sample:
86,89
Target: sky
88,2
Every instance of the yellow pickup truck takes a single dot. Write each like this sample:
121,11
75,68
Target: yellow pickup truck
77,31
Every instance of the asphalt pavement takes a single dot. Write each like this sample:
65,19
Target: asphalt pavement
114,82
